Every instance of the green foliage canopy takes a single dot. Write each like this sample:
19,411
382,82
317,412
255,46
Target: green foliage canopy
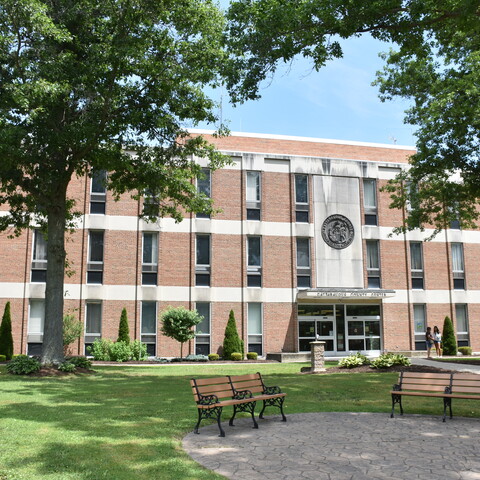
178,323
435,64
449,341
88,86
123,330
232,343
6,338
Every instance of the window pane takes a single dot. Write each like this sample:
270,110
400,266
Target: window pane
94,318
419,318
203,308
461,316
303,252
315,310
306,329
203,250
98,181
203,184
253,186
416,256
372,255
149,317
37,316
150,248
254,257
369,193
457,257
301,188
363,310
254,318
39,246
96,246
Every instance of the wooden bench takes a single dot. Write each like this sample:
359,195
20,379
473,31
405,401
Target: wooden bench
443,385
240,391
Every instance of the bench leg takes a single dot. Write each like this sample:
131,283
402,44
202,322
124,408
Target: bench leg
215,412
274,402
447,402
244,407
396,399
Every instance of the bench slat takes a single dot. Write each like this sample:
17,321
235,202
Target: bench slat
245,385
426,388
209,381
243,378
425,375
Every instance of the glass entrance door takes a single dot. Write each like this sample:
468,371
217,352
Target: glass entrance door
326,333
363,329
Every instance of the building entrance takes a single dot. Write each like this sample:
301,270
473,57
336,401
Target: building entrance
345,329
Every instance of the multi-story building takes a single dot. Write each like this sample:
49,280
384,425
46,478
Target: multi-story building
301,249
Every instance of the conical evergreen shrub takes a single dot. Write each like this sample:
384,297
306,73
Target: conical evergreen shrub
123,331
232,342
449,341
6,339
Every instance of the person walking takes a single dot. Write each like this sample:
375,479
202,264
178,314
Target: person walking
437,340
429,340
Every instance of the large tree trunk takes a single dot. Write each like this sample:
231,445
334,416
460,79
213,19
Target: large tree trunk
52,352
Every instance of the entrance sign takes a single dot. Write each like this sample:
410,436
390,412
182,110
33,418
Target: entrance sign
345,293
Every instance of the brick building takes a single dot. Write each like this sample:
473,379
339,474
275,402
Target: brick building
301,250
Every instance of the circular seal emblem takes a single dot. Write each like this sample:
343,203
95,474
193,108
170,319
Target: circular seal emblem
338,231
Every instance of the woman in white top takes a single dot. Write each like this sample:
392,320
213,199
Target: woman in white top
437,340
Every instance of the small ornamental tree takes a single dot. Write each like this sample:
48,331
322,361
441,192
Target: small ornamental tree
123,331
6,339
72,330
178,323
449,341
232,343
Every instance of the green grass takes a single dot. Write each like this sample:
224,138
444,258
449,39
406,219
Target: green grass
126,423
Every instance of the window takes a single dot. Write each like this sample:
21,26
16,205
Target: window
416,264
461,315
202,263
204,185
39,257
95,257
254,262
93,323
36,321
202,335
253,196
255,328
301,198
458,266
370,201
98,192
373,264
303,263
419,326
150,258
148,327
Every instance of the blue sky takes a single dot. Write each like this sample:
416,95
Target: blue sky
338,102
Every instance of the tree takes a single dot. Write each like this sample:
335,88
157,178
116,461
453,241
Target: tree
83,85
6,338
72,330
123,331
436,66
178,323
449,341
232,343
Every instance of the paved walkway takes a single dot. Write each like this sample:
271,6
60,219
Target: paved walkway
341,446
446,365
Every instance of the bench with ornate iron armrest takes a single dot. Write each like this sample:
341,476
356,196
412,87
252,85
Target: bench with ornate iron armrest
442,385
253,384
212,394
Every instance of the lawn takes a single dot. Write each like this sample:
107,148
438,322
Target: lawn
126,423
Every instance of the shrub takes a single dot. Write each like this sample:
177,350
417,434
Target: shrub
231,342
388,360
6,338
138,350
352,361
252,355
23,365
123,331
67,367
196,358
120,352
213,357
80,362
72,330
449,342
236,356
3,358
465,350
100,350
